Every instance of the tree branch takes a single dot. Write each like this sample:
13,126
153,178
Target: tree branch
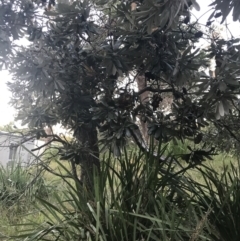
153,90
54,139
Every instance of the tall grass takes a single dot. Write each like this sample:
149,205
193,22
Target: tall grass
220,193
136,197
18,183
19,187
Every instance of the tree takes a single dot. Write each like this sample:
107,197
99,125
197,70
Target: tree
72,74
9,127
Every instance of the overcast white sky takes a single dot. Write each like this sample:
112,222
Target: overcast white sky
7,112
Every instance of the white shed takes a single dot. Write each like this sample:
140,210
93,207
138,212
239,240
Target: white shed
17,148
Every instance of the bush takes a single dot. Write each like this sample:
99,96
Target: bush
134,198
220,193
18,183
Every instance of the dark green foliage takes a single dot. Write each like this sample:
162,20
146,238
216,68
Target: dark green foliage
134,198
225,8
72,73
19,186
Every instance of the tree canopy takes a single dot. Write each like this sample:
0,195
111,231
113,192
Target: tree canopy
84,59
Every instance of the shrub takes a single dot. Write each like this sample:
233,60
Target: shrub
135,197
19,183
220,193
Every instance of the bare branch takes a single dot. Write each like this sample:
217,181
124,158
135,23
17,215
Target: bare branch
55,138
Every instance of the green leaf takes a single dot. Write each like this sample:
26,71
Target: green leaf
236,12
226,106
195,5
225,10
101,2
232,82
221,108
222,86
188,50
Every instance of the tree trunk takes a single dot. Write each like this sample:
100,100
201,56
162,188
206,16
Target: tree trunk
89,160
141,82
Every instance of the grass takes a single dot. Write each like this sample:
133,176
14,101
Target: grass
24,210
219,161
217,164
11,218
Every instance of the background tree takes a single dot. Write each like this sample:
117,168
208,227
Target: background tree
9,127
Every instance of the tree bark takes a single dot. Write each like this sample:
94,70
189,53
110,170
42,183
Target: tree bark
89,160
141,83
